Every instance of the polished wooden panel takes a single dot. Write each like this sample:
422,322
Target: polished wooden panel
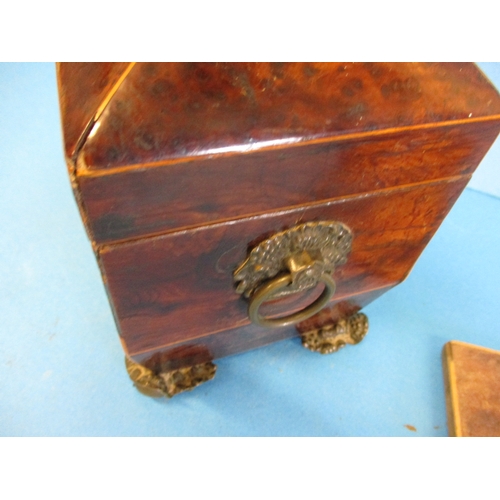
472,383
225,343
142,202
179,286
181,110
179,167
82,89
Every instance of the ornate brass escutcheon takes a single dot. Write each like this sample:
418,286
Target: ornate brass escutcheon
293,261
169,383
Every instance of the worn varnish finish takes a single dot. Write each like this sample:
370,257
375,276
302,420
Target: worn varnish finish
243,338
180,168
472,384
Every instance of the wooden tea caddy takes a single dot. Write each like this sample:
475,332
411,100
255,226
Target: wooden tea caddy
231,205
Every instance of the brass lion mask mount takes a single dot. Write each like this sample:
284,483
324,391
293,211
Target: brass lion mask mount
293,261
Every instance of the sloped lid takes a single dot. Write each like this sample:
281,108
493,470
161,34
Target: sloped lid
150,113
83,88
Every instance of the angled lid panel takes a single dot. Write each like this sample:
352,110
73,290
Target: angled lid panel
167,111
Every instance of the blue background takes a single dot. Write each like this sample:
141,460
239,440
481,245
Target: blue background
61,363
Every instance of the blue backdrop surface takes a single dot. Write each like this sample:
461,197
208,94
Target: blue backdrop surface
61,363
487,177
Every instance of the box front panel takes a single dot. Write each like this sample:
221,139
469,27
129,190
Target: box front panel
228,342
150,201
179,287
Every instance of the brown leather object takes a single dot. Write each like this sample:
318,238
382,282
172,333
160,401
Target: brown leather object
180,168
472,384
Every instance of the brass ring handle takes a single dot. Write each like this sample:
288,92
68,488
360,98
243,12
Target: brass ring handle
268,289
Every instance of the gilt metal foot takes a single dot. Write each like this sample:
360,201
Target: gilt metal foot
168,384
331,338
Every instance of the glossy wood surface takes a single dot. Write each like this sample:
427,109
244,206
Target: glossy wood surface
141,203
228,342
179,168
82,89
166,111
179,286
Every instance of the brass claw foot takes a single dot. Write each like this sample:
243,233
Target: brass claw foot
169,383
331,338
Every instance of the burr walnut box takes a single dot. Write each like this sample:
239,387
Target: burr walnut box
234,205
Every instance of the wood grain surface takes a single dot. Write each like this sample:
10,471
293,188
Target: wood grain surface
179,168
180,145
181,110
83,87
179,286
472,383
146,202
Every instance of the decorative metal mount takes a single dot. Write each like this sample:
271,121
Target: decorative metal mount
168,384
293,261
331,338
